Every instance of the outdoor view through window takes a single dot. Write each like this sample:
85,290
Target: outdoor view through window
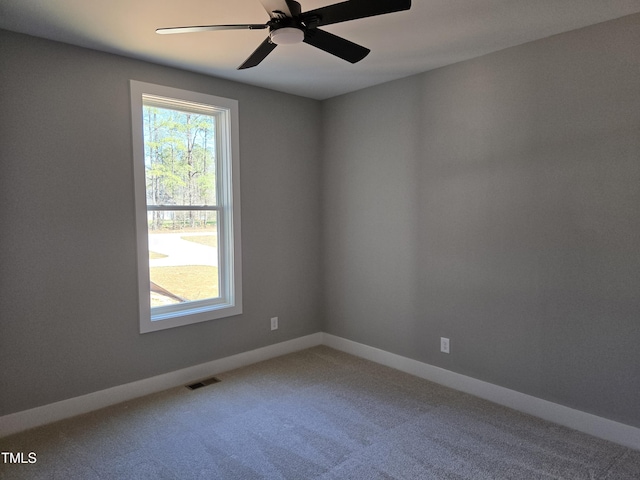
182,207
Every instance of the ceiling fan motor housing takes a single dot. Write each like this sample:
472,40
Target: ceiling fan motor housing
286,31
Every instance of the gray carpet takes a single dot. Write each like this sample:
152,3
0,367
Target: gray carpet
318,414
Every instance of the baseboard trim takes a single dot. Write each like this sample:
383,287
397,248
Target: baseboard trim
585,422
578,420
35,417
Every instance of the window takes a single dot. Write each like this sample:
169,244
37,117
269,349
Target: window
187,193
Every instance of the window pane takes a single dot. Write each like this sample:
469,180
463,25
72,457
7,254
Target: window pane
180,163
187,179
183,256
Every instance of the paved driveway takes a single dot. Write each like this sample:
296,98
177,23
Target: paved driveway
179,251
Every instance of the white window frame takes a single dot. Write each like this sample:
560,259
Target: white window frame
229,242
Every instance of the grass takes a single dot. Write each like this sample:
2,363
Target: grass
192,282
156,255
208,240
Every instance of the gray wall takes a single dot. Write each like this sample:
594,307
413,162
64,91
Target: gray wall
494,202
497,202
68,295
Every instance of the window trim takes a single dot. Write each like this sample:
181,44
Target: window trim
228,178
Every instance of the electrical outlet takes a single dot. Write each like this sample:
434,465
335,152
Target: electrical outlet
444,345
274,323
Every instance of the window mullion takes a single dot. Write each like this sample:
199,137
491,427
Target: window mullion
184,208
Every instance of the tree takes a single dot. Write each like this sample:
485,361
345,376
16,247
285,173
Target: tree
179,164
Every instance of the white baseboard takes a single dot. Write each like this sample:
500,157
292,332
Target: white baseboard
584,422
35,417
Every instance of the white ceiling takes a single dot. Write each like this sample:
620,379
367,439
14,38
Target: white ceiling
432,34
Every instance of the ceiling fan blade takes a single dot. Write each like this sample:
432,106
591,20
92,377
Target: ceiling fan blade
338,46
277,8
352,10
209,28
259,54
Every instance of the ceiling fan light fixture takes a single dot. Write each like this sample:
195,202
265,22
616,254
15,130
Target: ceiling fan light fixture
286,36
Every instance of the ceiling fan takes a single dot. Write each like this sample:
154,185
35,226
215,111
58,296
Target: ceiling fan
289,25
